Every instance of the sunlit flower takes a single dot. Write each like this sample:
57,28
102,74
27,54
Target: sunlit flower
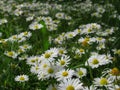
21,78
35,26
70,84
64,74
103,82
11,54
64,61
81,72
52,87
97,60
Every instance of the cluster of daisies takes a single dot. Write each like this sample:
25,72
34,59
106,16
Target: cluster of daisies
78,59
16,39
55,63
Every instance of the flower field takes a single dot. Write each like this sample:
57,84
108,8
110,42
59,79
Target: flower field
59,45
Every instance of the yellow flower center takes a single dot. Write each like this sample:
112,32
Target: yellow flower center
118,89
79,30
89,30
70,87
36,67
115,72
87,39
95,61
62,62
61,51
47,55
50,70
33,60
118,52
14,37
36,27
25,33
99,38
103,81
53,88
65,73
81,50
85,42
20,50
10,53
80,73
71,35
25,46
45,65
22,78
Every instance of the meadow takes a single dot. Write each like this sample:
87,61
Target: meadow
59,45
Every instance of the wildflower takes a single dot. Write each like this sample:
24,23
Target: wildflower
18,12
21,78
80,51
70,84
25,47
33,60
61,51
64,74
35,69
113,74
2,21
35,26
100,82
52,87
81,72
64,61
11,54
60,15
97,60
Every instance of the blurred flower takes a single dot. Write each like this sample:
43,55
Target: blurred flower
21,78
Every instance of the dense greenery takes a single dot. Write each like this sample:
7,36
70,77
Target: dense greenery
85,33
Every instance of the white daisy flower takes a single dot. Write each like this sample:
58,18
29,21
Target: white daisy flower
86,41
26,34
30,18
70,35
64,61
52,87
21,39
90,88
35,69
97,60
11,54
50,54
100,82
51,70
116,51
100,40
33,60
2,21
64,74
81,72
113,74
77,31
20,50
13,38
18,12
70,84
21,78
35,26
23,57
60,15
62,51
80,51
25,47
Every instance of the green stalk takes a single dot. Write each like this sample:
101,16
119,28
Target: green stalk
45,37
